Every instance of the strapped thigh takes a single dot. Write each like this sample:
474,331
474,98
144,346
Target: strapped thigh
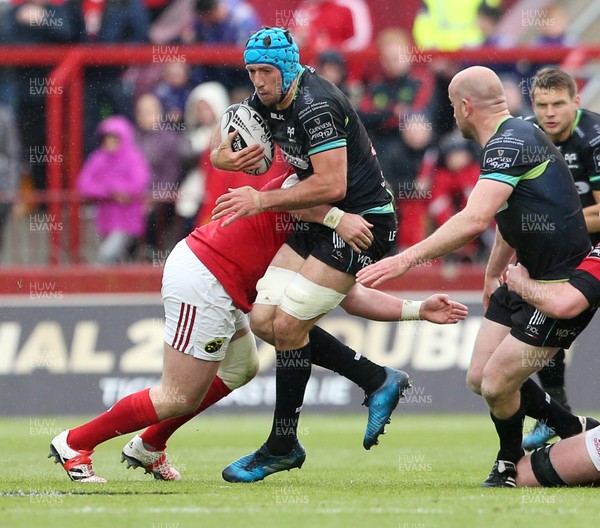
543,469
270,288
305,300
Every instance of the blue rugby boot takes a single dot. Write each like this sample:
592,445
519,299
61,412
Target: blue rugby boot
382,402
540,435
260,464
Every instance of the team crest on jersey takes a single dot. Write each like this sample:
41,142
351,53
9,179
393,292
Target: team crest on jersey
214,346
308,99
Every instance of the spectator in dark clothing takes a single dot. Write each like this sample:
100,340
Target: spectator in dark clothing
107,22
174,89
331,64
221,22
412,193
32,23
160,143
453,179
10,165
404,89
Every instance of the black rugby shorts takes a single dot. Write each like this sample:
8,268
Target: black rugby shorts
531,326
325,245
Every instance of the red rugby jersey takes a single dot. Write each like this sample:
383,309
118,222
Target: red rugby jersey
238,255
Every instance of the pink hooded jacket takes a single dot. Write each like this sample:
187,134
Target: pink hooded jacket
124,171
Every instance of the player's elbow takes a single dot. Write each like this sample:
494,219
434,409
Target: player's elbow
563,309
335,194
473,223
214,159
479,226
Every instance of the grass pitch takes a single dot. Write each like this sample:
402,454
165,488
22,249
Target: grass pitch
425,473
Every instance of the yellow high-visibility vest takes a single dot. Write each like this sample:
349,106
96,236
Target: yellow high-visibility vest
449,25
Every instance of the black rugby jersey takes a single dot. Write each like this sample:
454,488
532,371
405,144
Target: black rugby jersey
542,218
581,151
321,118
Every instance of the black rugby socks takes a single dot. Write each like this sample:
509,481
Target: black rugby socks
510,433
292,372
537,404
328,352
552,378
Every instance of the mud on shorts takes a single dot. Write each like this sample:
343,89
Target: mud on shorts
325,245
531,326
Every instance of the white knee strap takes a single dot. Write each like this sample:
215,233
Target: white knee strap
270,288
305,300
240,364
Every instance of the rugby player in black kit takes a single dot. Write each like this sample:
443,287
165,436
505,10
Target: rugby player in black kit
576,134
538,214
323,139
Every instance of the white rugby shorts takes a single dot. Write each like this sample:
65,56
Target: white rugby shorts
200,317
592,444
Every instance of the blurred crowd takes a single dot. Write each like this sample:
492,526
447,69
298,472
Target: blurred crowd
147,174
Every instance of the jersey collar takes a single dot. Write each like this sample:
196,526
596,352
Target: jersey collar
576,121
500,123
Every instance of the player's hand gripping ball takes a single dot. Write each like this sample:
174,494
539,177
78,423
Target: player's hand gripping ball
252,130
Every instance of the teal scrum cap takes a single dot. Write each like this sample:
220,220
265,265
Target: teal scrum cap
274,46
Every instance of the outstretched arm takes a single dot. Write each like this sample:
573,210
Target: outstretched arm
380,306
485,200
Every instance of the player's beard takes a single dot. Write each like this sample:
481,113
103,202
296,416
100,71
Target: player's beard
467,132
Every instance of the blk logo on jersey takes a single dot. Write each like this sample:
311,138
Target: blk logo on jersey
500,158
321,129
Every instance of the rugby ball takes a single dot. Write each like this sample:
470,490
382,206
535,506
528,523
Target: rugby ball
253,130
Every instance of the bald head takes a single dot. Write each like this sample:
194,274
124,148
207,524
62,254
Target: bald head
481,86
479,102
